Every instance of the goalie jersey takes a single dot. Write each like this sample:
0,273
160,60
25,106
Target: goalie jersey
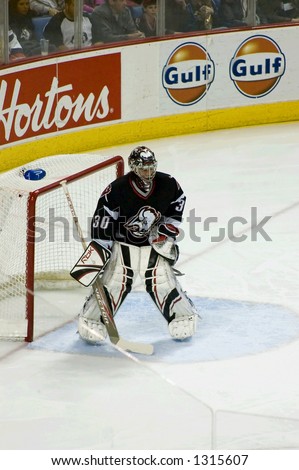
126,212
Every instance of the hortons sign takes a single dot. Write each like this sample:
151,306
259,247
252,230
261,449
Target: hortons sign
257,66
188,74
66,95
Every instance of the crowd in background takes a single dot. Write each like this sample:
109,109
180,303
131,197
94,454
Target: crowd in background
108,21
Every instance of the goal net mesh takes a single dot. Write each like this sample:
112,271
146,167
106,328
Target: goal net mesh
39,244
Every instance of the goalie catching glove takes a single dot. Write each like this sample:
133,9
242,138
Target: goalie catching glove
92,263
162,239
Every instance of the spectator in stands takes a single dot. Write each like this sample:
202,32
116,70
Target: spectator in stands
89,5
113,22
14,47
133,3
231,14
244,4
148,21
179,17
60,29
20,19
46,7
277,11
205,13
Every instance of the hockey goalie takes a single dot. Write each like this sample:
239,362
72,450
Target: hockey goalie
134,230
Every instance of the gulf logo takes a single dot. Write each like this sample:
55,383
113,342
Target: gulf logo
188,74
257,66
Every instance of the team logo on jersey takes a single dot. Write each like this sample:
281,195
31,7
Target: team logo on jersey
107,190
257,66
141,223
188,74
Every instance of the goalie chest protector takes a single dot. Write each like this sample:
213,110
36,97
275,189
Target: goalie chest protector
126,213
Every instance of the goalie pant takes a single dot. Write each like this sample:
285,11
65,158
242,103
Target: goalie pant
126,262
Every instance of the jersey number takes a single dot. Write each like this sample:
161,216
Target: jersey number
101,222
180,204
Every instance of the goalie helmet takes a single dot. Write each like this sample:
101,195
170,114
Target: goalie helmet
143,163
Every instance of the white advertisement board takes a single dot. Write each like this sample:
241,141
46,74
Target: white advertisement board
222,70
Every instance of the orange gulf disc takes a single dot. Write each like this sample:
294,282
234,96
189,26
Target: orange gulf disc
188,52
254,46
183,54
257,88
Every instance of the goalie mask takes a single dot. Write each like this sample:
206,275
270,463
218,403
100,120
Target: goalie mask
143,163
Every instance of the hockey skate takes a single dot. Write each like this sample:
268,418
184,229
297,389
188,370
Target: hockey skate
93,332
183,326
90,326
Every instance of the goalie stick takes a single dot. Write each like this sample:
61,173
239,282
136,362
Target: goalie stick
100,296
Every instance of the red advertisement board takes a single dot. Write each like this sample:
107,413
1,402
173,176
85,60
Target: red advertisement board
59,96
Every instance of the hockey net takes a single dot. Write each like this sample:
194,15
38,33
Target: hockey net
38,240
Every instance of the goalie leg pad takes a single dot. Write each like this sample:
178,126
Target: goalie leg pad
164,288
183,326
118,276
117,282
90,309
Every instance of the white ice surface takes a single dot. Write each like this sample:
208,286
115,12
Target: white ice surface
236,385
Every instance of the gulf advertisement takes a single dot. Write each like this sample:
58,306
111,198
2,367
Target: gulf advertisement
229,70
135,83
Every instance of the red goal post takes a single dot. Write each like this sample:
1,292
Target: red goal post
38,244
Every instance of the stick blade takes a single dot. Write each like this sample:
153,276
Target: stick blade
138,348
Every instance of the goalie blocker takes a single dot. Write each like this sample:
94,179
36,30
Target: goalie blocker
91,263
